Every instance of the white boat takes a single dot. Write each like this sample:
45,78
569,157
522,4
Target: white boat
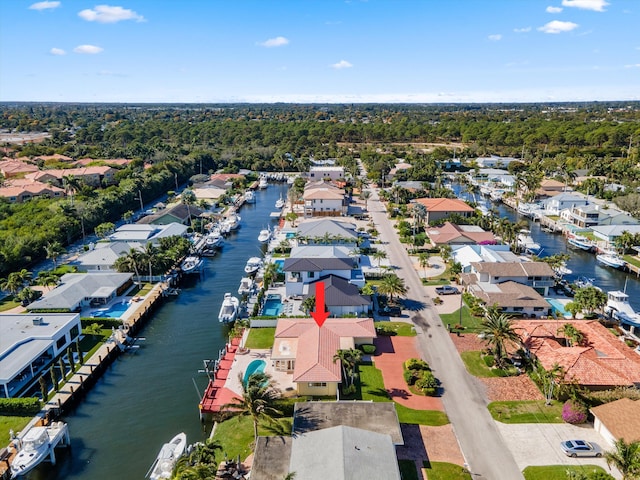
214,240
526,242
618,307
167,457
264,236
496,194
233,221
581,242
253,265
249,196
611,259
584,282
263,182
280,203
191,264
229,308
38,444
246,286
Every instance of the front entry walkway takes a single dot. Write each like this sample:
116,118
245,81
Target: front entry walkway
391,352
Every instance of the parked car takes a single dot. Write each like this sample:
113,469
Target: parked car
391,310
580,448
447,290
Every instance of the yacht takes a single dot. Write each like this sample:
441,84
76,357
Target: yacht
583,243
38,444
280,203
214,240
233,221
229,309
526,242
618,307
611,259
584,282
264,236
249,196
263,182
253,265
246,286
167,457
191,264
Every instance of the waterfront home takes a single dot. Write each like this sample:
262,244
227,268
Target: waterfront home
591,215
341,297
147,233
78,290
452,234
610,233
15,168
306,350
550,188
442,208
495,161
410,185
601,361
323,199
302,271
331,173
28,345
103,256
563,201
333,440
617,420
512,298
327,230
537,275
494,176
93,176
465,255
179,213
19,191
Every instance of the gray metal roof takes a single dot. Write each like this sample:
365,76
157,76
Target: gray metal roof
321,251
338,292
318,228
106,254
271,459
317,264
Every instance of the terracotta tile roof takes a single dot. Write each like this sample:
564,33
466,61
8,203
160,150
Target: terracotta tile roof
452,233
444,205
316,346
514,269
77,172
15,167
602,360
225,177
34,188
621,418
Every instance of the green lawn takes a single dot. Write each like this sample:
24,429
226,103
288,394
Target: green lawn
408,470
15,423
236,436
557,472
475,366
7,303
402,329
261,337
445,471
470,322
530,411
141,289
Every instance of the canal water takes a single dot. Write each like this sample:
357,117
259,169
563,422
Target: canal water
148,396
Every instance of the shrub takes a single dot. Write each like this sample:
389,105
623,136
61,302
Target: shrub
489,360
369,349
385,331
416,364
410,376
574,412
428,383
19,406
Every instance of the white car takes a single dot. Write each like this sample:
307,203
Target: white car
580,448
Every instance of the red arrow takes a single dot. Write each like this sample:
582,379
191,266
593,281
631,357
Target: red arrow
320,315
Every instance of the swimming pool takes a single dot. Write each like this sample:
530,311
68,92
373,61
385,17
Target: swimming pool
558,307
114,311
272,305
256,366
280,263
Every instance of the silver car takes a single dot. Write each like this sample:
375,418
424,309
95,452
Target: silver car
580,448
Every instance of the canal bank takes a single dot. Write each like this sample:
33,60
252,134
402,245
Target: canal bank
148,395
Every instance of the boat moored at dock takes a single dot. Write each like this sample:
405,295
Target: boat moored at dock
611,259
583,243
167,457
38,444
229,309
253,265
264,236
191,264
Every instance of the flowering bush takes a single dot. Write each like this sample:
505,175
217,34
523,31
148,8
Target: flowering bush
574,412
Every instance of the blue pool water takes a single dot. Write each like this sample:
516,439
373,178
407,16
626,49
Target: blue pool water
291,235
272,305
558,307
114,311
280,263
256,366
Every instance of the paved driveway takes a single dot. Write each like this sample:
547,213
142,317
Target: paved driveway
539,444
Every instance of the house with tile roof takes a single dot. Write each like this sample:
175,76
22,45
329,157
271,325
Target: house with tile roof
550,188
306,350
452,234
15,168
19,191
323,199
92,176
618,420
442,208
299,272
341,297
600,362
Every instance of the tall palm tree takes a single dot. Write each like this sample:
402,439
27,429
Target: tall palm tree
131,262
379,255
392,285
258,400
626,458
47,278
11,284
270,273
497,330
423,259
365,195
572,334
53,251
189,198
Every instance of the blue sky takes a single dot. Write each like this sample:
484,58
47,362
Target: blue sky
319,51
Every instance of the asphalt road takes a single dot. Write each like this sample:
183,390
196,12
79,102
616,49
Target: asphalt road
464,400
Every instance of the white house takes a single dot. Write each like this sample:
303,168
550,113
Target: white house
563,201
104,255
495,161
147,233
322,199
465,255
332,173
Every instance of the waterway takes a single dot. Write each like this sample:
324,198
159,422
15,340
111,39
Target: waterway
148,396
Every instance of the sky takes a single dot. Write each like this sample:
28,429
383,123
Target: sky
319,51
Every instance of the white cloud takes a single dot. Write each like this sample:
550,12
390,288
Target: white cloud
44,5
522,30
551,9
495,37
109,14
88,49
595,5
275,42
556,26
57,51
341,64
635,65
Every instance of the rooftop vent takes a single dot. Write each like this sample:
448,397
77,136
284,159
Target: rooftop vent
38,320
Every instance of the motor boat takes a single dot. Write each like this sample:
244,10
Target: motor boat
583,243
167,457
38,444
214,240
264,236
618,307
229,308
246,286
527,243
191,264
253,265
263,182
233,221
249,196
611,259
584,282
280,203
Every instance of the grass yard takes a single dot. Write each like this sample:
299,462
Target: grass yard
90,343
7,303
557,472
445,471
408,470
475,366
470,322
402,329
140,289
11,422
529,411
236,436
261,338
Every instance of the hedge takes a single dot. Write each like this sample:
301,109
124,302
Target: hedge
20,406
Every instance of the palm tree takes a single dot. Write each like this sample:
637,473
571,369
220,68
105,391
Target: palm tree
378,255
365,195
342,356
571,334
270,273
497,330
128,216
308,303
419,212
130,262
258,399
189,198
626,458
11,284
53,251
392,285
47,278
348,359
423,259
